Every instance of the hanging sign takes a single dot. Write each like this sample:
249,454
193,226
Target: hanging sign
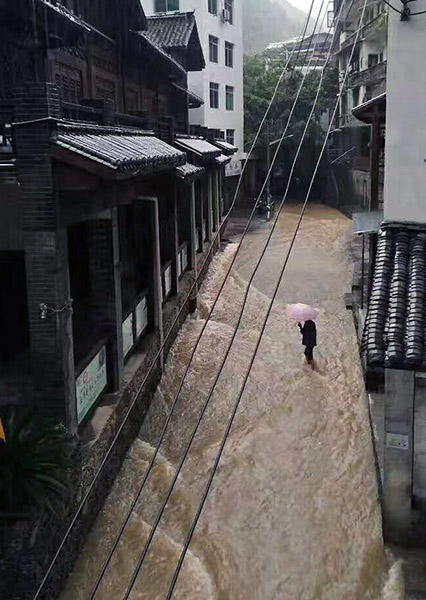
90,384
233,169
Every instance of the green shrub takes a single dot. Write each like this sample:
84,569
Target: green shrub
34,464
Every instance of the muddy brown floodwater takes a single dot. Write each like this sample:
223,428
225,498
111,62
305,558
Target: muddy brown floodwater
293,512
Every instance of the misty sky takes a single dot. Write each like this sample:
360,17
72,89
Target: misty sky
305,4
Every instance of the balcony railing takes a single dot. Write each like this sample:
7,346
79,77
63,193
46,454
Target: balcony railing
371,76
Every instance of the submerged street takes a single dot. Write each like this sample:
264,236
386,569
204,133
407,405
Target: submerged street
293,512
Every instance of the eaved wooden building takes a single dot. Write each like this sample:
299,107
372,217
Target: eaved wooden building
107,203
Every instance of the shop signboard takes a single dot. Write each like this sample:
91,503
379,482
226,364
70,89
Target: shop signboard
128,339
90,384
141,316
167,281
184,258
233,169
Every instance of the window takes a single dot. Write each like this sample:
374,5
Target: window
373,59
213,7
213,49
70,83
229,6
229,54
214,95
229,97
230,136
355,96
368,93
166,5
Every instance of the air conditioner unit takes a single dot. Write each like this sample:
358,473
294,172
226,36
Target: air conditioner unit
226,15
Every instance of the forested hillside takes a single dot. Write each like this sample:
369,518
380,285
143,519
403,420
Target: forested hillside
267,21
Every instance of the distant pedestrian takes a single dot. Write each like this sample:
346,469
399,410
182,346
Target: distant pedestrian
309,340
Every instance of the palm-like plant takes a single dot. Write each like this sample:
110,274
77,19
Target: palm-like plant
34,464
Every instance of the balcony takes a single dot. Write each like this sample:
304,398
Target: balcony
372,76
376,28
348,120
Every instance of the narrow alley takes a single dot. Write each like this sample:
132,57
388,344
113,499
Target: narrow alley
293,512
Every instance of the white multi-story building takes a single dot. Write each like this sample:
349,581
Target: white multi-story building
220,84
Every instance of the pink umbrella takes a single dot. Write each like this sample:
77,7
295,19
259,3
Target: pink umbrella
301,312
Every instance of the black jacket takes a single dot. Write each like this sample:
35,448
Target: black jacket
309,334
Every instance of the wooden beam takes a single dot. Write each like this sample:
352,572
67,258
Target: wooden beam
374,161
176,236
118,356
158,287
209,206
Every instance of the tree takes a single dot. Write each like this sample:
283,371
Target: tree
34,464
260,80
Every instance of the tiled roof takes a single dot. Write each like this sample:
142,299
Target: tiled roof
8,172
171,30
194,100
198,146
122,150
63,11
223,160
226,147
175,65
395,330
188,172
177,33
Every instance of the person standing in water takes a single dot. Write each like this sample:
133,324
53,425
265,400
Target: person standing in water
309,340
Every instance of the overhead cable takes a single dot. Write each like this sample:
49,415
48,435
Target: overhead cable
163,345
208,399
173,405
246,378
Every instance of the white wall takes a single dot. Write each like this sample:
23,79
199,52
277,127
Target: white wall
199,82
405,169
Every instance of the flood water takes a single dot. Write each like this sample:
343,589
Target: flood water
293,512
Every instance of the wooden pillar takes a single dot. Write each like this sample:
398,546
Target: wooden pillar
117,350
217,200
209,206
158,288
193,228
176,237
201,201
193,225
374,161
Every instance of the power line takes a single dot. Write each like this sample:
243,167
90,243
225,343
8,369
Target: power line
165,341
246,378
158,518
192,356
155,454
392,7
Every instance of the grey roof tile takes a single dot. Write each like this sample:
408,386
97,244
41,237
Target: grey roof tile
198,146
189,172
226,147
395,329
171,31
120,149
223,160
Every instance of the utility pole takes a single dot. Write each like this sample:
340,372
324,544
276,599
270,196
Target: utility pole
268,166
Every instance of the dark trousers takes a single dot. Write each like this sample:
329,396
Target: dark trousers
309,352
